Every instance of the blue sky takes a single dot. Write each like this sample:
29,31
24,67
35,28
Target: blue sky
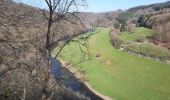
102,5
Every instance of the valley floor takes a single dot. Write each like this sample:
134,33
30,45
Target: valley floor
118,74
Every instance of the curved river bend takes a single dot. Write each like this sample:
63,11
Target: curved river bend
70,81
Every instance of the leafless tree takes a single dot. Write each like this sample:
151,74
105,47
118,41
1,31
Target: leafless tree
22,55
21,51
60,10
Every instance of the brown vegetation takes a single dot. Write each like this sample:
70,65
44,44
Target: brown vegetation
160,23
114,38
24,69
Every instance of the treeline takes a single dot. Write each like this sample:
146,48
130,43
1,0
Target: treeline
155,7
141,16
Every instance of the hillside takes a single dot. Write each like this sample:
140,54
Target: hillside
155,17
152,7
105,19
23,64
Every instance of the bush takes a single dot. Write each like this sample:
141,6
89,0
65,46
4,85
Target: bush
116,42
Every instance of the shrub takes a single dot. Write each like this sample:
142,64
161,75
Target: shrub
116,42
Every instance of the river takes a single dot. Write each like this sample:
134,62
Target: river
70,81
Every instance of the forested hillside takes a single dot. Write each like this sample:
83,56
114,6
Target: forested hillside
24,71
155,17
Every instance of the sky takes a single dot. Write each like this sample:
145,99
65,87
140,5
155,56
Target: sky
101,5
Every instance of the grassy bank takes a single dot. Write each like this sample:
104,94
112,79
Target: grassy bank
138,32
118,74
144,48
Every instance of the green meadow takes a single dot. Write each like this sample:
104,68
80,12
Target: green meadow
144,48
117,74
138,32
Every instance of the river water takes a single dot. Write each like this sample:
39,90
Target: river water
70,81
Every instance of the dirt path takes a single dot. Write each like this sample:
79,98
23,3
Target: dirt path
80,77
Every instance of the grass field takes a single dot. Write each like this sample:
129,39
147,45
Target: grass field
146,48
118,74
138,32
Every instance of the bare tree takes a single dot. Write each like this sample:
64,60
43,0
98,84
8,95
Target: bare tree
22,55
60,10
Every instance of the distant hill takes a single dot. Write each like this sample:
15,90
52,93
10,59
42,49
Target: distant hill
152,7
154,16
105,19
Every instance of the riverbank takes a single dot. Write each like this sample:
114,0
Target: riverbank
80,76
